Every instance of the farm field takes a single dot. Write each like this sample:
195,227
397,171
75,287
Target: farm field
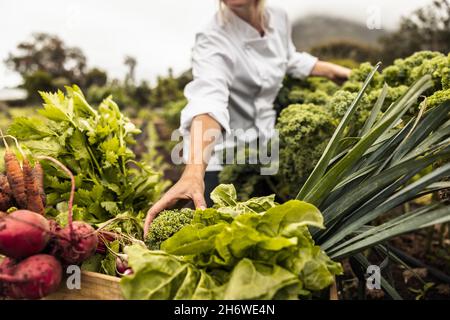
362,183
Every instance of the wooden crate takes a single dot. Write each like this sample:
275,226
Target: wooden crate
94,286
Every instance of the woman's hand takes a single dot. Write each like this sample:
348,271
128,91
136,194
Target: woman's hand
190,187
204,131
331,71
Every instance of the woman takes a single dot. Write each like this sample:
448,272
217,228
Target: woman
239,62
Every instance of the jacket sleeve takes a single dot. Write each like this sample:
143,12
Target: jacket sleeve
208,92
300,64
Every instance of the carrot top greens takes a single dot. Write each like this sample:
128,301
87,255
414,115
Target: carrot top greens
94,143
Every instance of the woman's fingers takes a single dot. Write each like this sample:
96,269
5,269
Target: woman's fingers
199,201
164,203
185,188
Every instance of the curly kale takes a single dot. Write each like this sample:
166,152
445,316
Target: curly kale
304,131
310,109
360,74
166,224
438,98
392,95
407,71
315,90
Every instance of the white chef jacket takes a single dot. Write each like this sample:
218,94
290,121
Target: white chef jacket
237,74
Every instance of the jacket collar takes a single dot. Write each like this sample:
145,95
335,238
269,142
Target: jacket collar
245,30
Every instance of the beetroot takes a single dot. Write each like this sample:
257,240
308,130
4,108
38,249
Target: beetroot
78,240
32,278
23,233
121,264
76,246
7,266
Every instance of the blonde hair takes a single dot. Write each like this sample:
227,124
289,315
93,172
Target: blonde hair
260,6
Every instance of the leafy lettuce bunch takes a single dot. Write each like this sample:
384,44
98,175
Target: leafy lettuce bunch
236,250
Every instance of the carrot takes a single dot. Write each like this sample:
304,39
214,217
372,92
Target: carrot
34,201
38,174
5,202
15,178
5,194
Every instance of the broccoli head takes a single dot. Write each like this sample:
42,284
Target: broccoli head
166,224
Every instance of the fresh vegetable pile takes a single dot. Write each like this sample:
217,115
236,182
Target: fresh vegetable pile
219,252
37,248
236,250
381,148
94,143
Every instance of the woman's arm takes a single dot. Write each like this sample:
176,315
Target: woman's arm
203,136
301,64
330,70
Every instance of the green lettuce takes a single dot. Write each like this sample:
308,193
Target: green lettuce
235,253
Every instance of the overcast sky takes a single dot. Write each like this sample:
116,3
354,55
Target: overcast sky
159,33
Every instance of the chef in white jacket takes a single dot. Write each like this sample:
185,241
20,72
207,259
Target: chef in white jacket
239,61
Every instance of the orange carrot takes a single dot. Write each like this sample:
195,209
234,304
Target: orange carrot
34,201
38,174
15,178
5,194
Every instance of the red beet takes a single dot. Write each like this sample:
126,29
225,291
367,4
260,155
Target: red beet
32,278
76,244
23,233
78,240
7,266
128,272
122,264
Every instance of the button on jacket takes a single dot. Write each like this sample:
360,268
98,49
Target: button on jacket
238,73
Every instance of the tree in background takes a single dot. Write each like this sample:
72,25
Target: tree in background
142,93
37,81
427,28
95,76
48,53
167,89
46,63
131,63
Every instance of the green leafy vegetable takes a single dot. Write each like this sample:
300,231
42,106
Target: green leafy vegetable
94,143
243,252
